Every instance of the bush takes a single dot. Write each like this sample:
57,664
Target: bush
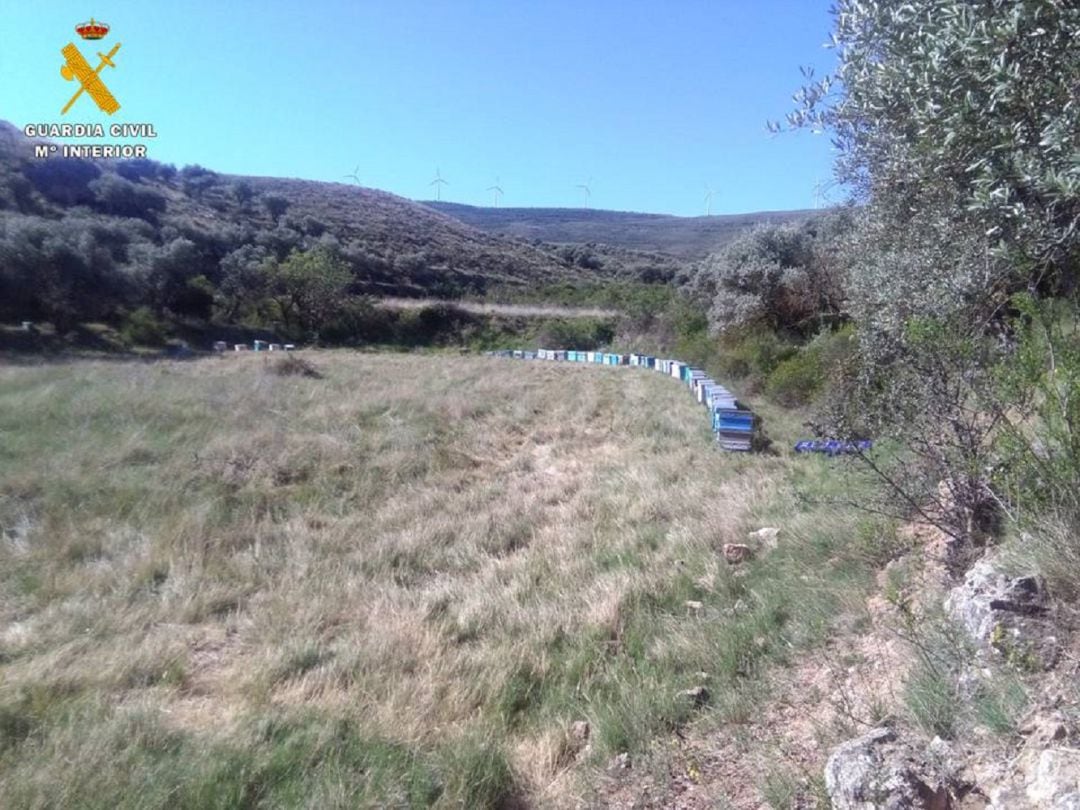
784,277
931,698
575,333
63,180
753,354
138,169
142,328
797,380
292,366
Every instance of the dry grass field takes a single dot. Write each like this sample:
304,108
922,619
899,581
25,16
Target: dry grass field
400,583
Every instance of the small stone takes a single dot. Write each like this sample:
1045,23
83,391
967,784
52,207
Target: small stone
737,552
620,763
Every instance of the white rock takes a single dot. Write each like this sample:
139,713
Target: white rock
1055,776
767,537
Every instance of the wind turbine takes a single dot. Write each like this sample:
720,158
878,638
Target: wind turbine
355,175
496,191
709,194
438,182
585,190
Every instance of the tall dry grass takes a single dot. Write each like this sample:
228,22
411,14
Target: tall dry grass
399,584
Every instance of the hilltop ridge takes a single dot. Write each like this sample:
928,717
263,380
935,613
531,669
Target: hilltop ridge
683,237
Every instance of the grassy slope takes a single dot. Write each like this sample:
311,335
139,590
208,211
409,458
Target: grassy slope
379,225
397,585
687,237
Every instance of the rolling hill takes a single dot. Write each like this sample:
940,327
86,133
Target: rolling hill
393,245
684,237
97,240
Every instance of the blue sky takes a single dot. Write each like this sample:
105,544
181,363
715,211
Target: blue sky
646,101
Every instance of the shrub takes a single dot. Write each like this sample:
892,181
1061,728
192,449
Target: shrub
63,180
931,698
780,276
753,354
797,380
138,169
275,205
575,333
143,328
292,366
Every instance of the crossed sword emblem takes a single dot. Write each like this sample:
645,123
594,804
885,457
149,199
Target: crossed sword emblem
78,68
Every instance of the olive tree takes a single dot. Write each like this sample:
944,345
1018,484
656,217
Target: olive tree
957,124
309,288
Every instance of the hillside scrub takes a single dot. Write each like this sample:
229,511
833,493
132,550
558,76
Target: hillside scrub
84,241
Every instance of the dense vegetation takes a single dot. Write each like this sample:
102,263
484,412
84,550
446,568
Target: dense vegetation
149,249
941,310
959,126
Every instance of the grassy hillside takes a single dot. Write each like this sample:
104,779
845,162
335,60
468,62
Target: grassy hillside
685,237
154,252
393,244
407,582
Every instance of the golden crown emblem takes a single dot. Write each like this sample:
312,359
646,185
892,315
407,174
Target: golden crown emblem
92,29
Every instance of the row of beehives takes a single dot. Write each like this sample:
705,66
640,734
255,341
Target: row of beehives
733,426
256,346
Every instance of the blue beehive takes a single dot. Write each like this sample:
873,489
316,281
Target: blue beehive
734,429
